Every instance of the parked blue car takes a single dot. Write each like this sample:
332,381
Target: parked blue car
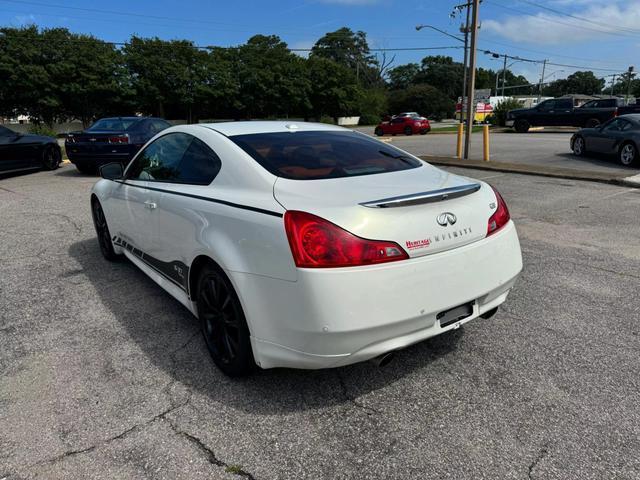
111,140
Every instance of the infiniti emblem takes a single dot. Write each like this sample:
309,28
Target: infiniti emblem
446,218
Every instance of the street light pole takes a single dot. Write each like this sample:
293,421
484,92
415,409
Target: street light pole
472,77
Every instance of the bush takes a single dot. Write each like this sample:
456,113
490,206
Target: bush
499,115
42,129
327,119
422,98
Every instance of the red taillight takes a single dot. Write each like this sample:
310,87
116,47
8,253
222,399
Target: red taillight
119,139
318,243
615,112
500,217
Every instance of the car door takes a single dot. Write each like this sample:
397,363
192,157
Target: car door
140,192
610,136
563,112
15,151
543,113
397,125
179,222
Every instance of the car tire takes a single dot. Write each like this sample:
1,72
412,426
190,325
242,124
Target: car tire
51,157
578,146
628,154
223,323
102,231
379,132
521,126
592,123
408,131
85,169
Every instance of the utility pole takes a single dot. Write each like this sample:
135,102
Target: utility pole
504,74
613,81
465,70
544,67
630,74
472,77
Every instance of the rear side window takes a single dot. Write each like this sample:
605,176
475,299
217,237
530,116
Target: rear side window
176,158
319,155
114,124
564,104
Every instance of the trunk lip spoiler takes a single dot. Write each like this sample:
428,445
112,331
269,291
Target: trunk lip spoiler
432,196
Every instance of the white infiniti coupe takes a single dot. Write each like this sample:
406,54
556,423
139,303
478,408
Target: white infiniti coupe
306,245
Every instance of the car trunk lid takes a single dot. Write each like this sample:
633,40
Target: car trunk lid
425,210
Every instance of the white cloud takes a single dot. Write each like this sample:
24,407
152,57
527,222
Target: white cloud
25,19
552,29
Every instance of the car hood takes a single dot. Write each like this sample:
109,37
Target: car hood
519,111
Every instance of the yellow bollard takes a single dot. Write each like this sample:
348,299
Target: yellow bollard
460,134
485,141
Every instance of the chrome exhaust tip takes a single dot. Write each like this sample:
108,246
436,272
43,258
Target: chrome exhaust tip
384,359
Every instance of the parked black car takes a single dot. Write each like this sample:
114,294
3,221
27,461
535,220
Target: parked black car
561,112
19,151
111,140
619,136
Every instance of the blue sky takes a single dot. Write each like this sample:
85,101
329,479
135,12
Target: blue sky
533,29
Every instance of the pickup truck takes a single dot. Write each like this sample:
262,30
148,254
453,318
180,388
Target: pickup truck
561,112
629,109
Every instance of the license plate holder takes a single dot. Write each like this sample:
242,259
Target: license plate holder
455,314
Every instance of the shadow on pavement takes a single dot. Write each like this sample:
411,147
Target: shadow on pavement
72,171
170,337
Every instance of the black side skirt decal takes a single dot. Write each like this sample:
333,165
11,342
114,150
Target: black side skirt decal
176,272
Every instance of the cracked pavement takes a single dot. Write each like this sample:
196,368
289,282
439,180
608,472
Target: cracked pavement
103,375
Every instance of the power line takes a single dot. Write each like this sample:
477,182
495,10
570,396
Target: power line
576,17
551,20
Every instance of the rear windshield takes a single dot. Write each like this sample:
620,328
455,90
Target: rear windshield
113,124
318,155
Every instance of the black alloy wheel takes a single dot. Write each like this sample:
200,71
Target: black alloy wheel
223,323
51,157
521,126
592,123
102,231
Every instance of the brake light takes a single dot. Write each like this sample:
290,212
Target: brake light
500,217
615,112
119,139
318,243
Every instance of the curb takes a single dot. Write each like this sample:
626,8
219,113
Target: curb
632,181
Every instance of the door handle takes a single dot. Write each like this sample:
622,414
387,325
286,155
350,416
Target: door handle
150,205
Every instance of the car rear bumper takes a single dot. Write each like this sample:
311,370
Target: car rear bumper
335,317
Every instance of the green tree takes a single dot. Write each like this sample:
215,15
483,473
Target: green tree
334,89
351,49
424,99
273,80
167,76
584,83
54,74
403,76
442,73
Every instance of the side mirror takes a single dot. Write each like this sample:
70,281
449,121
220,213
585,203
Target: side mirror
112,171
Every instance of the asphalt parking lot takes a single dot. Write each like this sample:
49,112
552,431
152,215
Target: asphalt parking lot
546,148
106,376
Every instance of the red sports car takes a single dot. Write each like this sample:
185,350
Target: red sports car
404,124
